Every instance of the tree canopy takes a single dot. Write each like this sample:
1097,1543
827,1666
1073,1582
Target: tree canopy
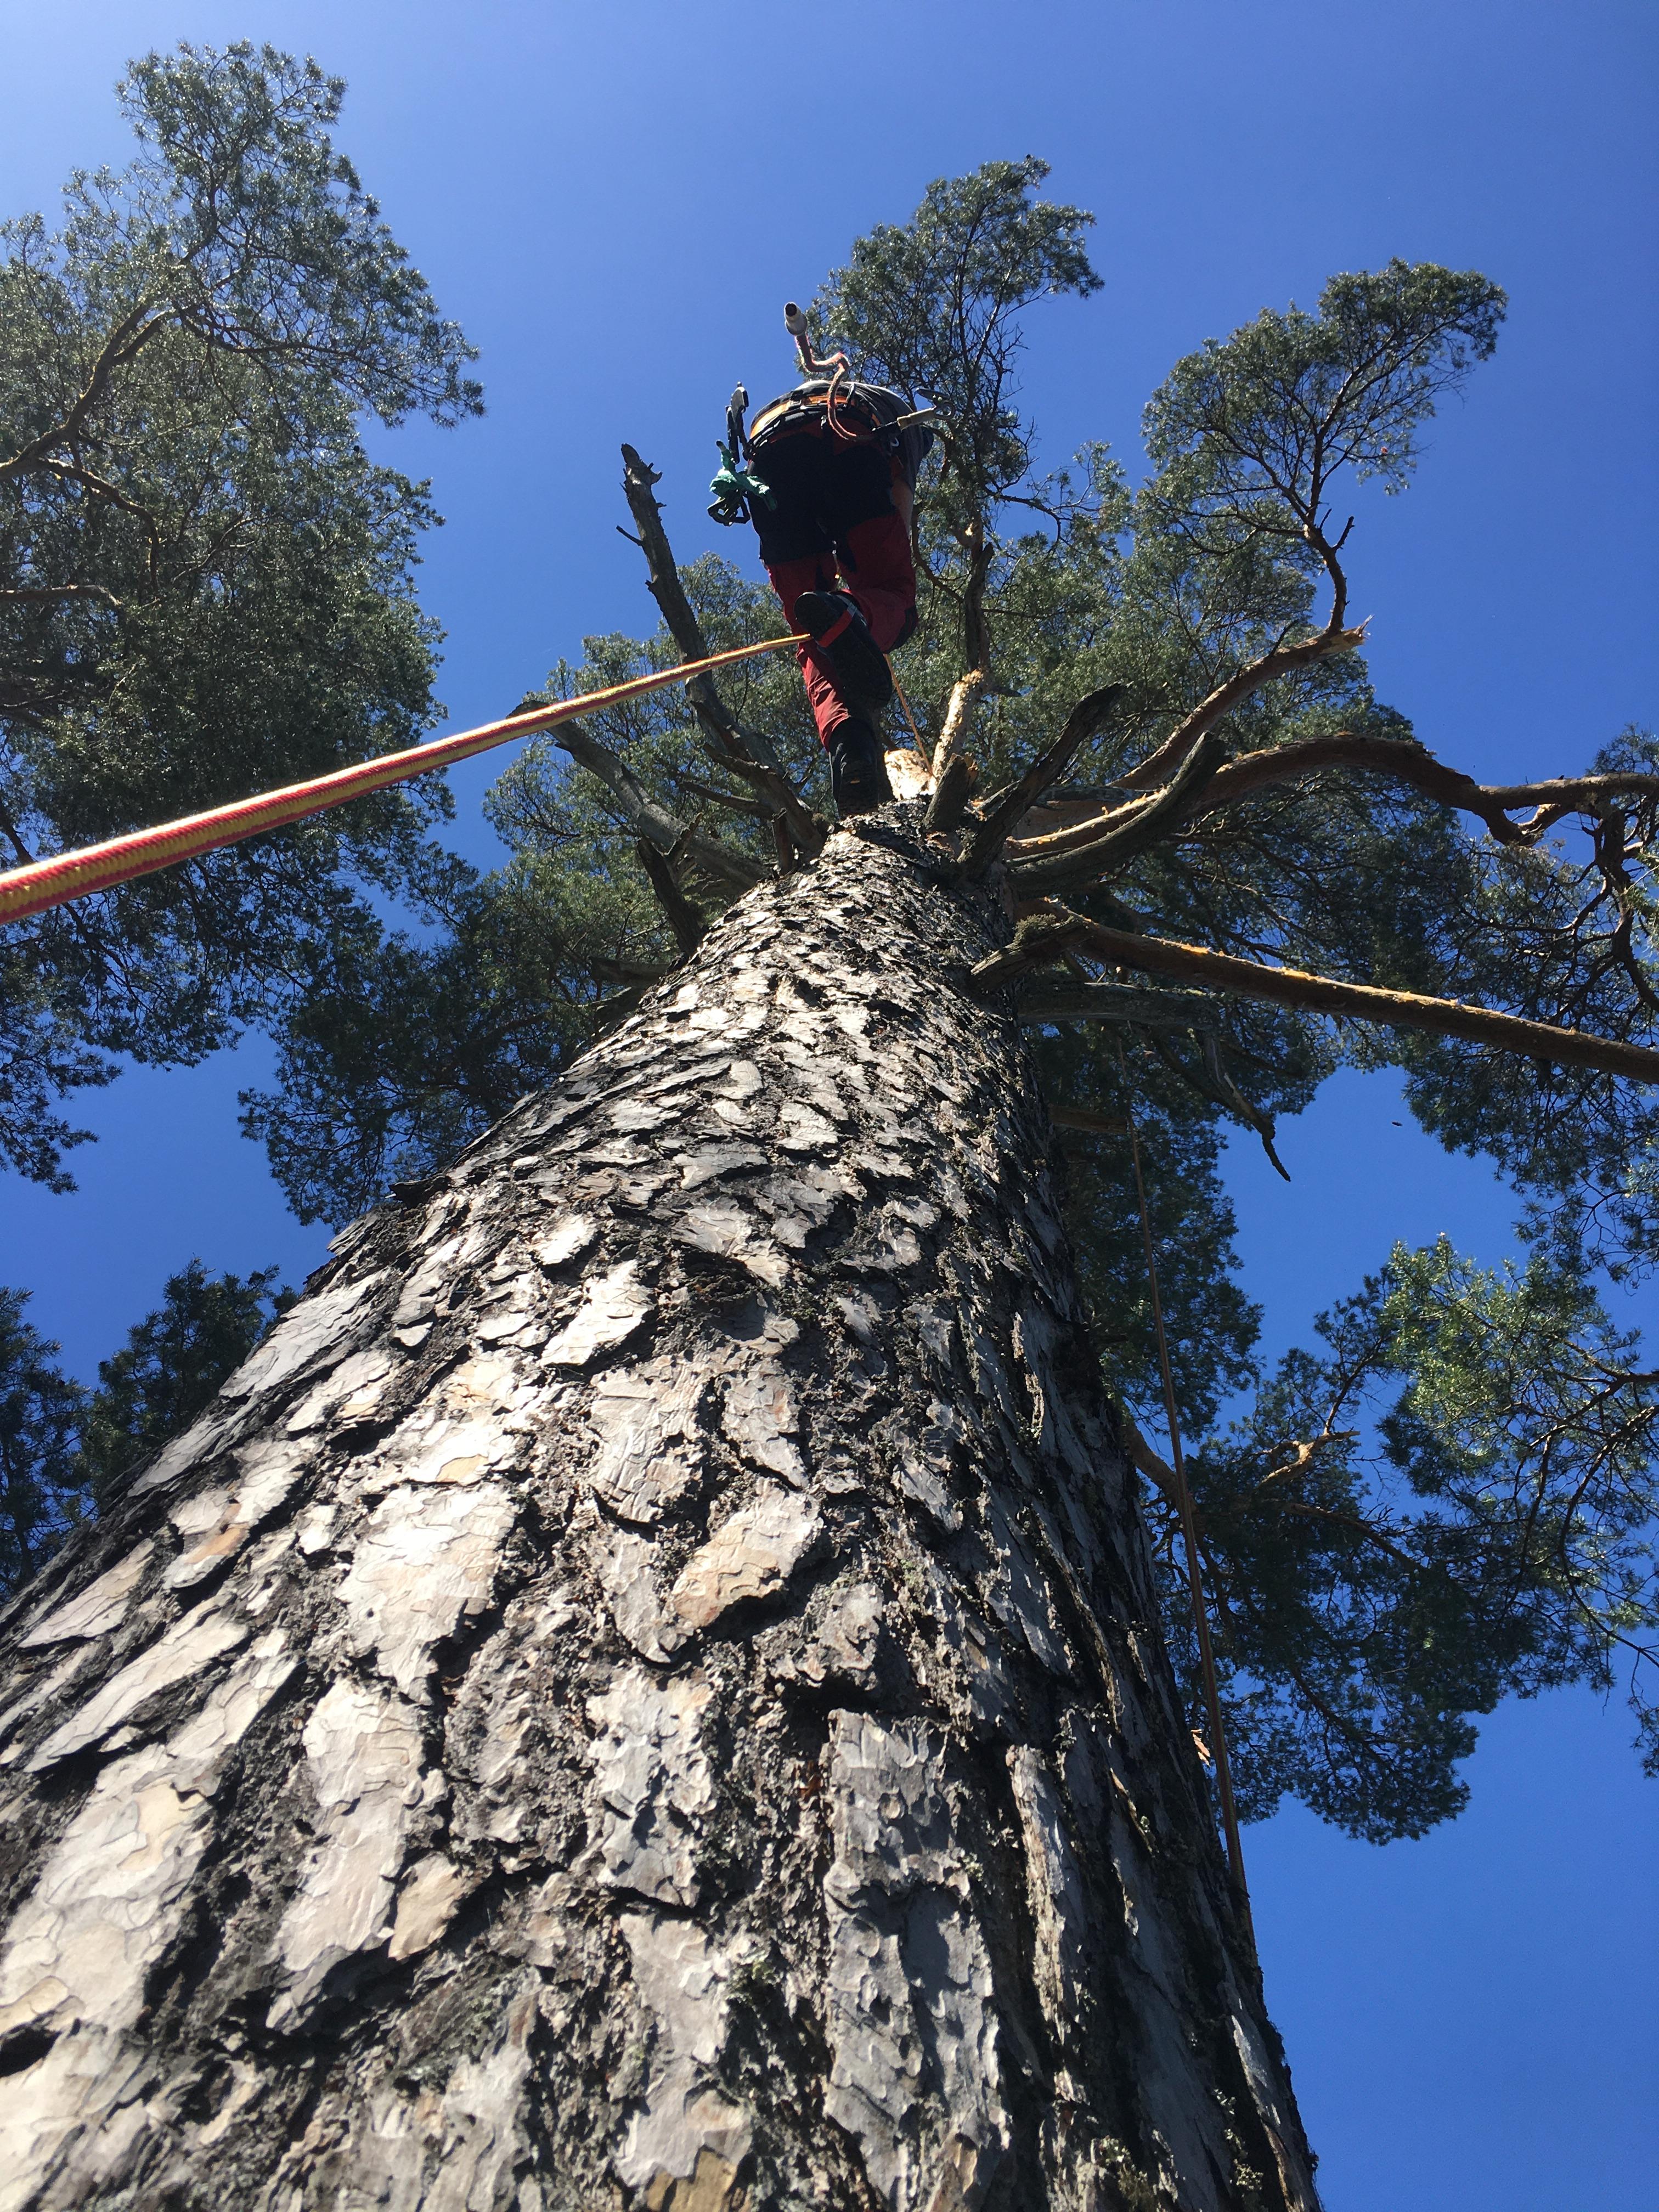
41,1496
170,1367
65,1451
205,584
1451,1498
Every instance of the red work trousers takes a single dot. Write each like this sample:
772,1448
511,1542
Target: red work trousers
842,522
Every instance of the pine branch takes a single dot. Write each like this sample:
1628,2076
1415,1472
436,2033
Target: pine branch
633,973
127,339
1400,760
654,823
1042,940
1147,1461
662,571
729,800
999,818
1090,1124
1219,1087
41,592
1039,1004
688,925
1281,660
1569,793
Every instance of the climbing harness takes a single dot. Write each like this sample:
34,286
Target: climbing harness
858,414
65,876
829,397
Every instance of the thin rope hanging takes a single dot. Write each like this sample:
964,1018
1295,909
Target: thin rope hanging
915,734
1190,1539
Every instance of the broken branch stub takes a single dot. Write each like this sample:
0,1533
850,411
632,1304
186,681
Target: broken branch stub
947,809
958,719
1039,941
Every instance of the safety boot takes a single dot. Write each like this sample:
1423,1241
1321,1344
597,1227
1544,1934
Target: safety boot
860,666
858,768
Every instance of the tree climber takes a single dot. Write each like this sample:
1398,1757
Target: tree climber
829,489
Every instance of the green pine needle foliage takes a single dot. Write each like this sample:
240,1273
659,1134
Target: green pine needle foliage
206,585
65,1451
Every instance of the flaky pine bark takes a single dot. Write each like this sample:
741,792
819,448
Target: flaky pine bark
644,1691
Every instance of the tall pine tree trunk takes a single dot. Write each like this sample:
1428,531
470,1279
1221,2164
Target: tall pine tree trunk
644,1691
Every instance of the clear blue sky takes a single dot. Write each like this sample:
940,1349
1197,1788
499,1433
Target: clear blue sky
614,201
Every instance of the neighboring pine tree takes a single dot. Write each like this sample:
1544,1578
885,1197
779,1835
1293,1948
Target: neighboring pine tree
206,584
43,1492
65,1451
172,1364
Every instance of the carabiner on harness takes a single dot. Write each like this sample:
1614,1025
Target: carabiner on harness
736,488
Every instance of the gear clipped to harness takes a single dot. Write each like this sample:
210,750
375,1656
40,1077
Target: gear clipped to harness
735,487
830,397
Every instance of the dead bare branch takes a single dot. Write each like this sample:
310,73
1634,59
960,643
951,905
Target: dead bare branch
1218,1086
1118,836
732,741
688,925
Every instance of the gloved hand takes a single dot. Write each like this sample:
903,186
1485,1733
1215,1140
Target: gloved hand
734,487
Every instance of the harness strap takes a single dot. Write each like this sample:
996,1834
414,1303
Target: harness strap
843,622
807,408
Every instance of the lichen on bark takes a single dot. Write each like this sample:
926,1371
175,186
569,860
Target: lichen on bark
644,1691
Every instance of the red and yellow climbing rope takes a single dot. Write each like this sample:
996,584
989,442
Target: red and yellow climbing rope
65,876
